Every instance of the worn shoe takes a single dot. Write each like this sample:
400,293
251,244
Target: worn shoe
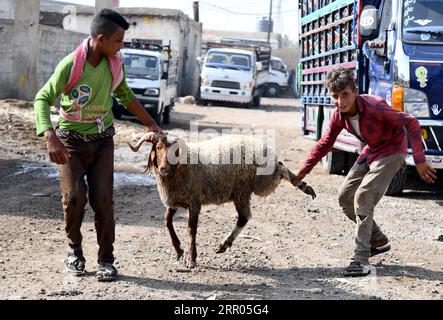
106,272
379,242
75,262
380,246
357,269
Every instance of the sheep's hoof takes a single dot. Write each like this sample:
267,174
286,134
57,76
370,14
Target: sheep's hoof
310,191
191,264
221,249
179,253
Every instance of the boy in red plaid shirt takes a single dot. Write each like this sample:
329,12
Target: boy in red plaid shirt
382,128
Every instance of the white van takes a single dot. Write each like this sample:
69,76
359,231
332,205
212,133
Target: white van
234,73
151,75
277,82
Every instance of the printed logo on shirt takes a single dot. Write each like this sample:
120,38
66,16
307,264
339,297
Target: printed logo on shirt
81,95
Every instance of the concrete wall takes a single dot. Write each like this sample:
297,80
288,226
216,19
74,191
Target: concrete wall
6,9
55,44
6,56
39,56
160,24
18,48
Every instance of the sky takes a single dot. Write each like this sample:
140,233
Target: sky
234,15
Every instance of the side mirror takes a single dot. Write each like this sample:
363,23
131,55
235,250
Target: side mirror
259,66
199,60
369,23
165,75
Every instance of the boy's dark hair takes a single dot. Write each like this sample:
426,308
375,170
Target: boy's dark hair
106,22
338,79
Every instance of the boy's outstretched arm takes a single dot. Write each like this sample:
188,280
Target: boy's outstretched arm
137,109
426,172
321,148
126,97
299,175
402,119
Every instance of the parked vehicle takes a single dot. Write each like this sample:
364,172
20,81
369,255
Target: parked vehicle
234,73
396,51
151,74
277,82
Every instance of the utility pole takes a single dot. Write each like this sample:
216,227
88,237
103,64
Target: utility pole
102,4
269,22
196,13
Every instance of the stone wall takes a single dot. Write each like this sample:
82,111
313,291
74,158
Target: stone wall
55,44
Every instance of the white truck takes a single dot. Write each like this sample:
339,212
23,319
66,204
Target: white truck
151,74
277,82
234,73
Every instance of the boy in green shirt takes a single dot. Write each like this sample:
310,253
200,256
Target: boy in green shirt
82,143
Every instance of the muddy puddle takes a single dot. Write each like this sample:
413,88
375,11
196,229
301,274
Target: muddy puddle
121,178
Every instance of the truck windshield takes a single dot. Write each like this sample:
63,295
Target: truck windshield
423,21
277,66
228,60
140,66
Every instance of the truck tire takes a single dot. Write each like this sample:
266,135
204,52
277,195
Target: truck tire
159,116
271,91
166,115
334,162
398,182
116,111
256,101
202,102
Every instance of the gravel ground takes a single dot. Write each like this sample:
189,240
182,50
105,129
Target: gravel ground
292,248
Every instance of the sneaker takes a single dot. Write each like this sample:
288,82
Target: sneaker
106,272
75,262
380,246
357,269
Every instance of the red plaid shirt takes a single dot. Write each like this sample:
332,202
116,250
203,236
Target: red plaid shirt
381,128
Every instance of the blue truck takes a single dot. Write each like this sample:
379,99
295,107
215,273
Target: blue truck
395,48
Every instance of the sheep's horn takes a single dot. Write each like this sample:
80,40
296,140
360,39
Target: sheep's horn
140,141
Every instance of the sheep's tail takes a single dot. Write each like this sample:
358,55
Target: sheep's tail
290,177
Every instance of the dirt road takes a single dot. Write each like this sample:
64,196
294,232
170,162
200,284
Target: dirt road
292,248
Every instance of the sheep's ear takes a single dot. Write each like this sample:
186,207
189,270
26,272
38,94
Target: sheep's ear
152,161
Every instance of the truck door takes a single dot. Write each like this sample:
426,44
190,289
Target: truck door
377,64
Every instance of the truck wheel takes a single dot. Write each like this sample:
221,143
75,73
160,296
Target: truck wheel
271,90
398,182
256,101
334,162
202,102
159,116
166,115
116,109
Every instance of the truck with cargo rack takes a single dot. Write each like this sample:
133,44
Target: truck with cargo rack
395,48
277,83
151,73
234,72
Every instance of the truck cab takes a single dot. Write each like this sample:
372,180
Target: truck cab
151,78
234,73
277,82
395,48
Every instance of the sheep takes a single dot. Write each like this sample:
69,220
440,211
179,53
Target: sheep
187,100
190,186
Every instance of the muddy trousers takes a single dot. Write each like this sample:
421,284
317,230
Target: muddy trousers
92,161
359,194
